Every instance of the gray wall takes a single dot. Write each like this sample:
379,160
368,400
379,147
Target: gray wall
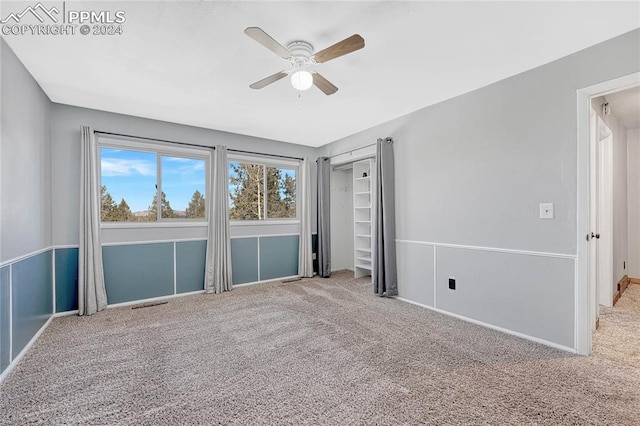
633,166
25,164
471,171
342,220
26,284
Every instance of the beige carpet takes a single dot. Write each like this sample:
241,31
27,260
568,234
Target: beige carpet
618,337
309,352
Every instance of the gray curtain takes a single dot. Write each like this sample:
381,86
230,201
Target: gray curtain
218,276
324,218
92,296
305,255
385,278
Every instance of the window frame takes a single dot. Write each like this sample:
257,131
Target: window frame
160,149
267,161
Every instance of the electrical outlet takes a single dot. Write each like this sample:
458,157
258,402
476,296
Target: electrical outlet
314,256
452,283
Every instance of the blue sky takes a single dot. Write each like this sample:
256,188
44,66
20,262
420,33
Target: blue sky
132,175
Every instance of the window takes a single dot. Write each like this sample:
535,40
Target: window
136,184
261,191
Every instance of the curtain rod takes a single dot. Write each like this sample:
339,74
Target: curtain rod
196,145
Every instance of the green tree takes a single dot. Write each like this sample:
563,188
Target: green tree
281,193
248,195
107,205
122,212
275,207
167,211
289,192
112,212
247,192
196,208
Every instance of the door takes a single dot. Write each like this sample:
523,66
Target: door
594,312
604,215
601,217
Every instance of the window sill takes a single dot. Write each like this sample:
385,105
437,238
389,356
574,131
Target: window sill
147,225
265,222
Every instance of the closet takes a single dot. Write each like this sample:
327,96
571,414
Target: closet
352,215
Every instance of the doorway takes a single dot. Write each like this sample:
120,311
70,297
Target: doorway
597,267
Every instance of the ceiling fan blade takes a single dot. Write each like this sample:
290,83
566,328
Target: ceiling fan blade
267,41
348,45
323,84
267,81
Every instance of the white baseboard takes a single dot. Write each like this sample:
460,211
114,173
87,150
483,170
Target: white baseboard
24,350
266,281
491,326
154,299
65,313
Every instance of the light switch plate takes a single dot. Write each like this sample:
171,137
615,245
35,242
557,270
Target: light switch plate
546,210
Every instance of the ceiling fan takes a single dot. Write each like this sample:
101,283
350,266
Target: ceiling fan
302,59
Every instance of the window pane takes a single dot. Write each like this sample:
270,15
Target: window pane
128,184
246,191
281,193
183,188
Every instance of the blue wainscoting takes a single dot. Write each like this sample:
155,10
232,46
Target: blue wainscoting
32,298
66,261
244,260
278,257
190,265
5,321
137,272
264,258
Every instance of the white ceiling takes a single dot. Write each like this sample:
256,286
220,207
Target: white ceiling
625,105
191,63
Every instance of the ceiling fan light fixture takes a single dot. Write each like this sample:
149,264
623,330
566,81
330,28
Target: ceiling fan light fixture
301,80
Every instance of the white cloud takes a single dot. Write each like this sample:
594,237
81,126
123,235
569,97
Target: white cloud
177,160
121,167
185,167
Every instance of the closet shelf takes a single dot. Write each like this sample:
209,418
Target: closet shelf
363,213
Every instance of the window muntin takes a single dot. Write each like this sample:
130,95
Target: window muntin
134,175
261,191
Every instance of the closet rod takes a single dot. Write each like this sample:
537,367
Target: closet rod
195,145
355,149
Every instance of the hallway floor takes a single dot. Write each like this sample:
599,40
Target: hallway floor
618,337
